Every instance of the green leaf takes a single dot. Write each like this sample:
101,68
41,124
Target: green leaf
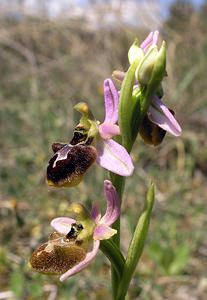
181,257
167,258
109,248
36,290
17,283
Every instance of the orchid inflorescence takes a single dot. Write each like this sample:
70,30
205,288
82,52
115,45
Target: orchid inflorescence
135,108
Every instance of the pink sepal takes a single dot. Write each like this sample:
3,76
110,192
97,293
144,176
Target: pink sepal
114,157
84,263
103,232
111,99
159,114
113,204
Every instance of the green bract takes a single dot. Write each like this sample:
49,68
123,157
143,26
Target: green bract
135,52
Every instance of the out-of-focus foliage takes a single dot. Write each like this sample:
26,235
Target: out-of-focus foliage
48,66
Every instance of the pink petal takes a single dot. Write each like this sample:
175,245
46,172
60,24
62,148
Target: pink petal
84,263
114,157
108,130
103,232
147,41
159,114
111,98
113,204
155,37
62,224
151,39
118,75
95,213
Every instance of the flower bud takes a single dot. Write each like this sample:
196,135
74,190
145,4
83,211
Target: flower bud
144,70
159,70
135,52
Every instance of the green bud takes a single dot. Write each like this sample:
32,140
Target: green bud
125,107
144,70
159,70
150,74
135,52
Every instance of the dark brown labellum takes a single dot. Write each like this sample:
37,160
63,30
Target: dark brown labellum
57,256
57,146
151,133
69,164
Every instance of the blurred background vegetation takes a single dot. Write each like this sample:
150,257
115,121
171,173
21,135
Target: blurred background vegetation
49,63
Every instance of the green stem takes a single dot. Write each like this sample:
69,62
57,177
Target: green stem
109,248
137,244
118,182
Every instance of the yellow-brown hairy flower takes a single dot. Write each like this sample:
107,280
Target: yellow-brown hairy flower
58,255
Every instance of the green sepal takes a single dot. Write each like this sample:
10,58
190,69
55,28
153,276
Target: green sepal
137,244
135,52
145,69
159,70
125,106
136,114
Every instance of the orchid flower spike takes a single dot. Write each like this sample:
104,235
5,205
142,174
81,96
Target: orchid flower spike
159,118
158,113
75,242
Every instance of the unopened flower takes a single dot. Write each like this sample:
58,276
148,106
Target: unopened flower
91,142
76,241
150,40
159,118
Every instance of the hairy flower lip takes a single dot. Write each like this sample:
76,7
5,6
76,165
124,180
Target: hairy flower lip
101,230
